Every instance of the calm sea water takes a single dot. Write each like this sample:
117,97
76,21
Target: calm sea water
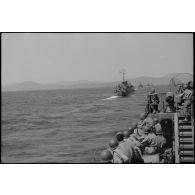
64,126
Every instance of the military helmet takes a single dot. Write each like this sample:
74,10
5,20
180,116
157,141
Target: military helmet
142,116
156,120
158,129
113,143
185,86
126,133
153,90
106,155
149,122
146,129
190,85
131,130
134,125
119,136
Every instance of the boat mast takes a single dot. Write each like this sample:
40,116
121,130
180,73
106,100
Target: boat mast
123,71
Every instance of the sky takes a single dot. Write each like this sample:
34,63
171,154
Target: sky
56,57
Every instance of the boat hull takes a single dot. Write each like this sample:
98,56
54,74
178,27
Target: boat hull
125,93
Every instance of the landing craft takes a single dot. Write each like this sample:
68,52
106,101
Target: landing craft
125,88
179,133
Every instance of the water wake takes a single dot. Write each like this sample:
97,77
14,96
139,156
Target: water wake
112,97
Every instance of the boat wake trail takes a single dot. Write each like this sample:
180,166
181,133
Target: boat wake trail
112,97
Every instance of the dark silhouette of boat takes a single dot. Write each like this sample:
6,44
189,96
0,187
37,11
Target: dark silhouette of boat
124,88
140,85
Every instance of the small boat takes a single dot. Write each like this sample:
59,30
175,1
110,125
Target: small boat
140,86
124,88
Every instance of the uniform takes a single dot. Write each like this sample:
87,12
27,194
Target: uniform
187,96
169,107
153,143
154,101
138,135
126,152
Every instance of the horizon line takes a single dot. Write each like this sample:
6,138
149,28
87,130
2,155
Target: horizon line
55,82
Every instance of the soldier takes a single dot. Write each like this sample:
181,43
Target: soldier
126,134
187,98
156,125
169,107
128,137
140,134
154,143
142,118
149,122
127,152
153,101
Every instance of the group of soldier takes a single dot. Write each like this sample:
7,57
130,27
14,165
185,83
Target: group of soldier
144,138
181,102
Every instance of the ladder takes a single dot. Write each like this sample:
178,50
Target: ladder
185,141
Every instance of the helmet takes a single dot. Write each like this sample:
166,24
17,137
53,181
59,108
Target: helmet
142,116
146,129
139,125
131,130
134,125
126,133
119,136
158,129
190,84
153,90
106,155
185,86
156,120
113,143
149,122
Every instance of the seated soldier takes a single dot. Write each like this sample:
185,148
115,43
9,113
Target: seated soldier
128,137
156,121
154,143
139,131
149,122
127,152
139,137
126,134
156,125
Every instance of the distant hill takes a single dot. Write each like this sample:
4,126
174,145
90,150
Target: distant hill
152,80
29,85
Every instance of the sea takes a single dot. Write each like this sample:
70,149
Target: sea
64,126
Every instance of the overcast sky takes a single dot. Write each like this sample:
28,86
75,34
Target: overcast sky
53,57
